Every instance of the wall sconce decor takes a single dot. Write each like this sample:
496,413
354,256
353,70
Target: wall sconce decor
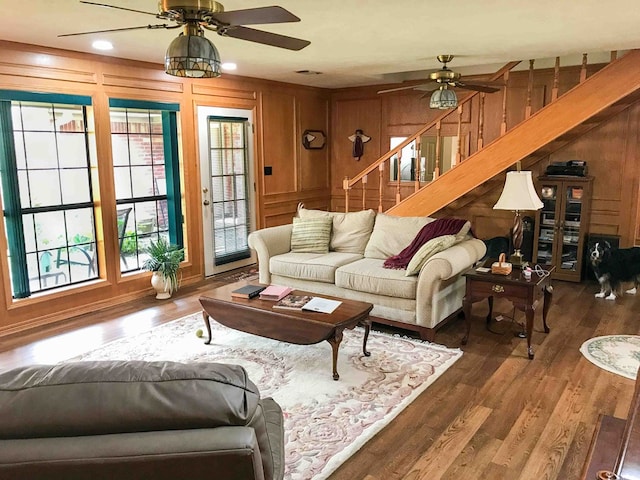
358,139
313,139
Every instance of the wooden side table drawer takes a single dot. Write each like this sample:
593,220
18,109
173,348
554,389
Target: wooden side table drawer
499,290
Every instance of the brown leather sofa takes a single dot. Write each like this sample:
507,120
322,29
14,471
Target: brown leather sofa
137,420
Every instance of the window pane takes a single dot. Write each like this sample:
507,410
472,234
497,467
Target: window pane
37,117
40,149
50,230
157,147
29,233
45,189
217,190
69,118
122,180
18,144
80,228
142,180
73,150
120,149
23,185
75,186
240,191
238,162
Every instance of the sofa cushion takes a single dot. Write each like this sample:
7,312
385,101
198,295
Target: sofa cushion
351,230
368,275
310,266
95,398
311,235
392,234
427,250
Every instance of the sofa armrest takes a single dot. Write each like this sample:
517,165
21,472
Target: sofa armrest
267,243
445,265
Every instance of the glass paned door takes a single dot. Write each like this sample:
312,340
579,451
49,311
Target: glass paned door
548,227
225,148
571,227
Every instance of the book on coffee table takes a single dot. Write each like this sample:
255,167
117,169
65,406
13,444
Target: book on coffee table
275,292
322,305
248,291
293,302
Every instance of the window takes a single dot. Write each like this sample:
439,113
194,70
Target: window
144,142
45,181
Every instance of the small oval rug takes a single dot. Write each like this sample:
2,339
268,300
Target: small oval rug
615,353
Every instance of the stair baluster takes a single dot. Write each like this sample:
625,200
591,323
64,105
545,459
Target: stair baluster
583,69
527,111
503,124
556,80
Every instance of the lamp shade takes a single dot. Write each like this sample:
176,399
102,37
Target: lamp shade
518,193
192,56
443,98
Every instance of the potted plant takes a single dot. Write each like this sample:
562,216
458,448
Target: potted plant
164,261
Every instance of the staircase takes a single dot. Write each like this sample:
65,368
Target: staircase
599,97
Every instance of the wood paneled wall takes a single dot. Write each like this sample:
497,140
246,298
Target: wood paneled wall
281,113
612,149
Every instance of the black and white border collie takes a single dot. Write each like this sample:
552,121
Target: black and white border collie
613,266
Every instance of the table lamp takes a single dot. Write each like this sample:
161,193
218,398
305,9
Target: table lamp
518,194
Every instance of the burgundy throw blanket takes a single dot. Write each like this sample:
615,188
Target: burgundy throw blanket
437,228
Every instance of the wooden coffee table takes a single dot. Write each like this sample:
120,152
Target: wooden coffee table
292,326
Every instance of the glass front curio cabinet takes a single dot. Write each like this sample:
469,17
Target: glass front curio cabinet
562,224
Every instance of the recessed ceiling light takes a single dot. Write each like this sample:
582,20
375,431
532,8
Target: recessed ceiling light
229,66
102,45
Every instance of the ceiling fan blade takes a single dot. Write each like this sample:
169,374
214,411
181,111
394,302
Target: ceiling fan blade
253,16
119,8
266,38
148,27
475,87
410,87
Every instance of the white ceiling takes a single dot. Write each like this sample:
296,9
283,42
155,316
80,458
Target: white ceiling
355,42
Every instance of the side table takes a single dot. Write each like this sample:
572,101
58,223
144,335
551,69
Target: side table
524,294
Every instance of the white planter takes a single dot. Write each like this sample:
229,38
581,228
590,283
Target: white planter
161,286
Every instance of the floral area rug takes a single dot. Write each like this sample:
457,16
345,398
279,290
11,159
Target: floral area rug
615,353
326,421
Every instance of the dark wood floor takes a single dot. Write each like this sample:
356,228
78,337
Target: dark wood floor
493,415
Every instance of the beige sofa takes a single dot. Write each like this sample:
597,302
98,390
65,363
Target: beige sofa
353,267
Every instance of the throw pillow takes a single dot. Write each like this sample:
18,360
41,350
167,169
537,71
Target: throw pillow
311,235
391,234
462,234
350,232
427,250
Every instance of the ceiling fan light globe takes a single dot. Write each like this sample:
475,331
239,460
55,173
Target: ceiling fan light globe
192,56
443,98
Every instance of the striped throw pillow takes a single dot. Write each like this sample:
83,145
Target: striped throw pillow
311,235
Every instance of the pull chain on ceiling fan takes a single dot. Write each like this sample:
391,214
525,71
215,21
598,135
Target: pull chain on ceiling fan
191,54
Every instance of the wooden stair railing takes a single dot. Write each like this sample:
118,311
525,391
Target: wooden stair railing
603,89
448,195
362,177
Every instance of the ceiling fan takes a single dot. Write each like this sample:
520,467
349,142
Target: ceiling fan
445,77
191,54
